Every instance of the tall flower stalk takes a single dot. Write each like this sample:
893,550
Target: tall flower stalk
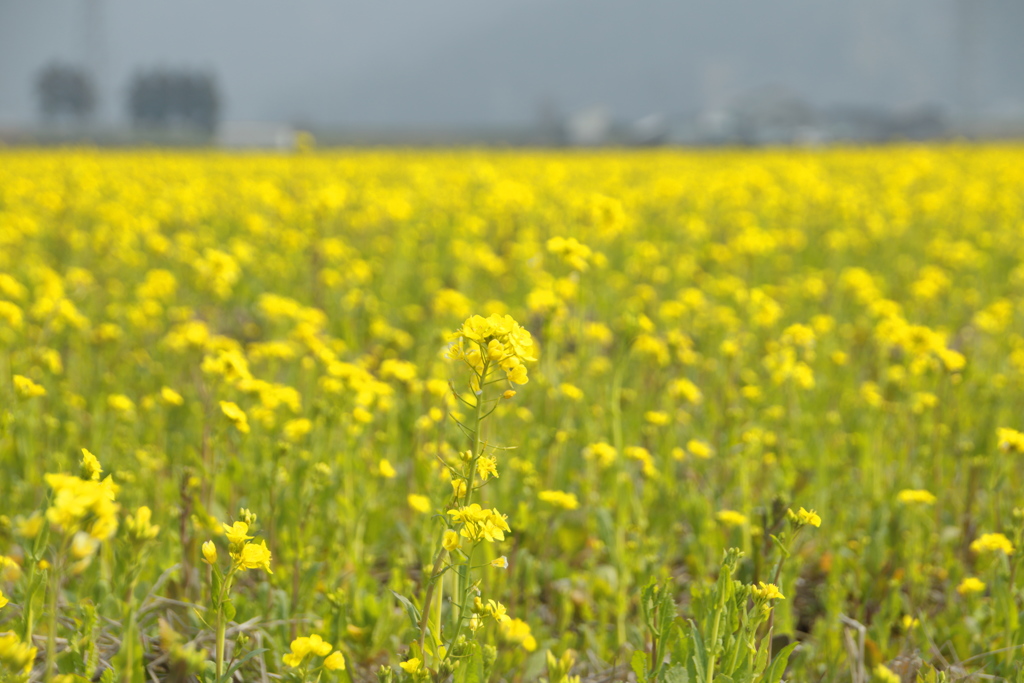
495,350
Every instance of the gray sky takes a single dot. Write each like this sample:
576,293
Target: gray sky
494,62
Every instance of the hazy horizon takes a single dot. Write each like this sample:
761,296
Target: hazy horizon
457,63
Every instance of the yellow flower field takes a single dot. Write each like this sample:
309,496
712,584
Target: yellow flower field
512,416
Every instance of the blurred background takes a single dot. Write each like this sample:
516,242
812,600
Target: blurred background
529,72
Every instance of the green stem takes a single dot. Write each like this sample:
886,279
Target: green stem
221,624
713,643
51,636
434,579
463,583
221,628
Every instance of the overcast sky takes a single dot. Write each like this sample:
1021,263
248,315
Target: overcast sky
499,62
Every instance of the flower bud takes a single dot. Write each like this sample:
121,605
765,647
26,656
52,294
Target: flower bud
210,552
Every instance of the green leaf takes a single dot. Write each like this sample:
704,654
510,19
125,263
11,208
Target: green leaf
240,661
414,614
778,667
639,664
676,673
108,675
700,653
229,611
761,658
471,669
199,615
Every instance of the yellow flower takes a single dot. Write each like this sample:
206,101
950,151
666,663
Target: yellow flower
29,527
987,543
139,526
699,449
236,415
294,430
3,600
1010,440
731,518
16,657
767,591
386,469
603,452
121,404
335,662
418,503
970,585
451,540
171,397
480,524
411,666
807,517
10,570
518,631
912,496
210,552
307,645
500,562
83,505
255,557
91,465
566,501
884,674
487,466
83,545
498,337
26,388
237,533
497,610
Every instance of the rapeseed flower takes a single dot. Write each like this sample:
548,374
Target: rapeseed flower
140,526
566,501
236,415
767,591
26,388
450,540
254,556
335,662
731,518
91,465
305,646
805,518
83,505
210,552
992,543
16,657
418,503
237,533
479,524
915,496
497,339
971,585
1010,440
411,666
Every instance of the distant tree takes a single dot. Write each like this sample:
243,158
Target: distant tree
65,92
168,99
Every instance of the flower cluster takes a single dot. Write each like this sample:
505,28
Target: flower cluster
479,524
315,646
494,341
83,505
992,543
